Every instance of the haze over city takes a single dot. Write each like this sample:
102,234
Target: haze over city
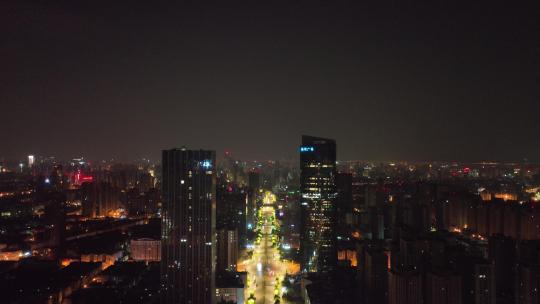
387,80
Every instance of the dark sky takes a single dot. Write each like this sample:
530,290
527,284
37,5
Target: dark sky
414,80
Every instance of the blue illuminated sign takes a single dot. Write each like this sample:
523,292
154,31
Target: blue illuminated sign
307,149
206,164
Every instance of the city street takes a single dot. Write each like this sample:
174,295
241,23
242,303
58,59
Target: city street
265,268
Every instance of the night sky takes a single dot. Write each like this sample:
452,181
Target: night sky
396,80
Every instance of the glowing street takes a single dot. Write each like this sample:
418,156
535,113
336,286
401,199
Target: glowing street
265,268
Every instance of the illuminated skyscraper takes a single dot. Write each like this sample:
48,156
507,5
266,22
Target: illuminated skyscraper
188,252
31,161
317,185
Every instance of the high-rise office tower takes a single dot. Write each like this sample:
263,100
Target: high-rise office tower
188,252
317,185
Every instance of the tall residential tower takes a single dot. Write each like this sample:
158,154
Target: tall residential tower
188,252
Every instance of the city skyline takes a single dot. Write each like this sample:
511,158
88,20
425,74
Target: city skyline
270,152
192,230
221,154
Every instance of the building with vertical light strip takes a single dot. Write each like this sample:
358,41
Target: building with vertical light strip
188,253
318,189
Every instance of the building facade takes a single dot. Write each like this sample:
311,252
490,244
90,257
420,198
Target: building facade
227,249
188,254
146,249
405,287
443,288
318,189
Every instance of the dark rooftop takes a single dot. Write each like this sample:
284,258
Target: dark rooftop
228,279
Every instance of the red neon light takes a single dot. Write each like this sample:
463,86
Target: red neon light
87,178
80,178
